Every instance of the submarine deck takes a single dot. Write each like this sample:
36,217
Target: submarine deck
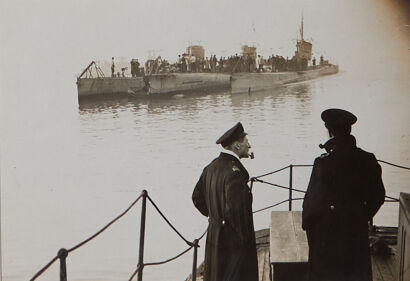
384,267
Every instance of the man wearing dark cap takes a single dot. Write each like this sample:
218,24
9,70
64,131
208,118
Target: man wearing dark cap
344,193
222,194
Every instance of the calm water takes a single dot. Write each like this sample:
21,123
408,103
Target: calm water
65,178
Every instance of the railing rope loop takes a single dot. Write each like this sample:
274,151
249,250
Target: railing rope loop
163,216
170,259
267,174
394,165
135,273
277,204
44,269
105,227
85,241
281,186
203,234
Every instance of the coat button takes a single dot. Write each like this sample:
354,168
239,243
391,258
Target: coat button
223,222
332,207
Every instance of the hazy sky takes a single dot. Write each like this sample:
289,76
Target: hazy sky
45,44
63,36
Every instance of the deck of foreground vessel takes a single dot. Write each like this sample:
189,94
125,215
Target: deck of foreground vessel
384,266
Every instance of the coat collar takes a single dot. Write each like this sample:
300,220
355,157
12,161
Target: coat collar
340,143
236,160
230,153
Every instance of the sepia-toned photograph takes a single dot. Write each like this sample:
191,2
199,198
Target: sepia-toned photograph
193,140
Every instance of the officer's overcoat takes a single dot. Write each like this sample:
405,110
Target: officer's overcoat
345,191
222,194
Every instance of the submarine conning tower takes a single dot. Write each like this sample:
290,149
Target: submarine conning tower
303,48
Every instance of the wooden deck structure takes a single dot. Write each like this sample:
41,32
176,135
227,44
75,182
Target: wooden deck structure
286,245
403,257
289,250
384,267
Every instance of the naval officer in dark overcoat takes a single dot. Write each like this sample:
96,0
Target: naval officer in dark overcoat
223,195
344,193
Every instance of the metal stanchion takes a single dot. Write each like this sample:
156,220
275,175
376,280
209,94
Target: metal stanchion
62,255
142,234
290,186
194,264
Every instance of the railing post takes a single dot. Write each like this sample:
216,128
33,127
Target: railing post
62,255
194,264
142,234
252,180
290,186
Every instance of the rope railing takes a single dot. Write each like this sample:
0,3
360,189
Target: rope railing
391,199
63,253
278,185
135,273
194,244
170,259
291,188
394,165
105,227
163,216
159,263
274,172
44,268
310,165
277,204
